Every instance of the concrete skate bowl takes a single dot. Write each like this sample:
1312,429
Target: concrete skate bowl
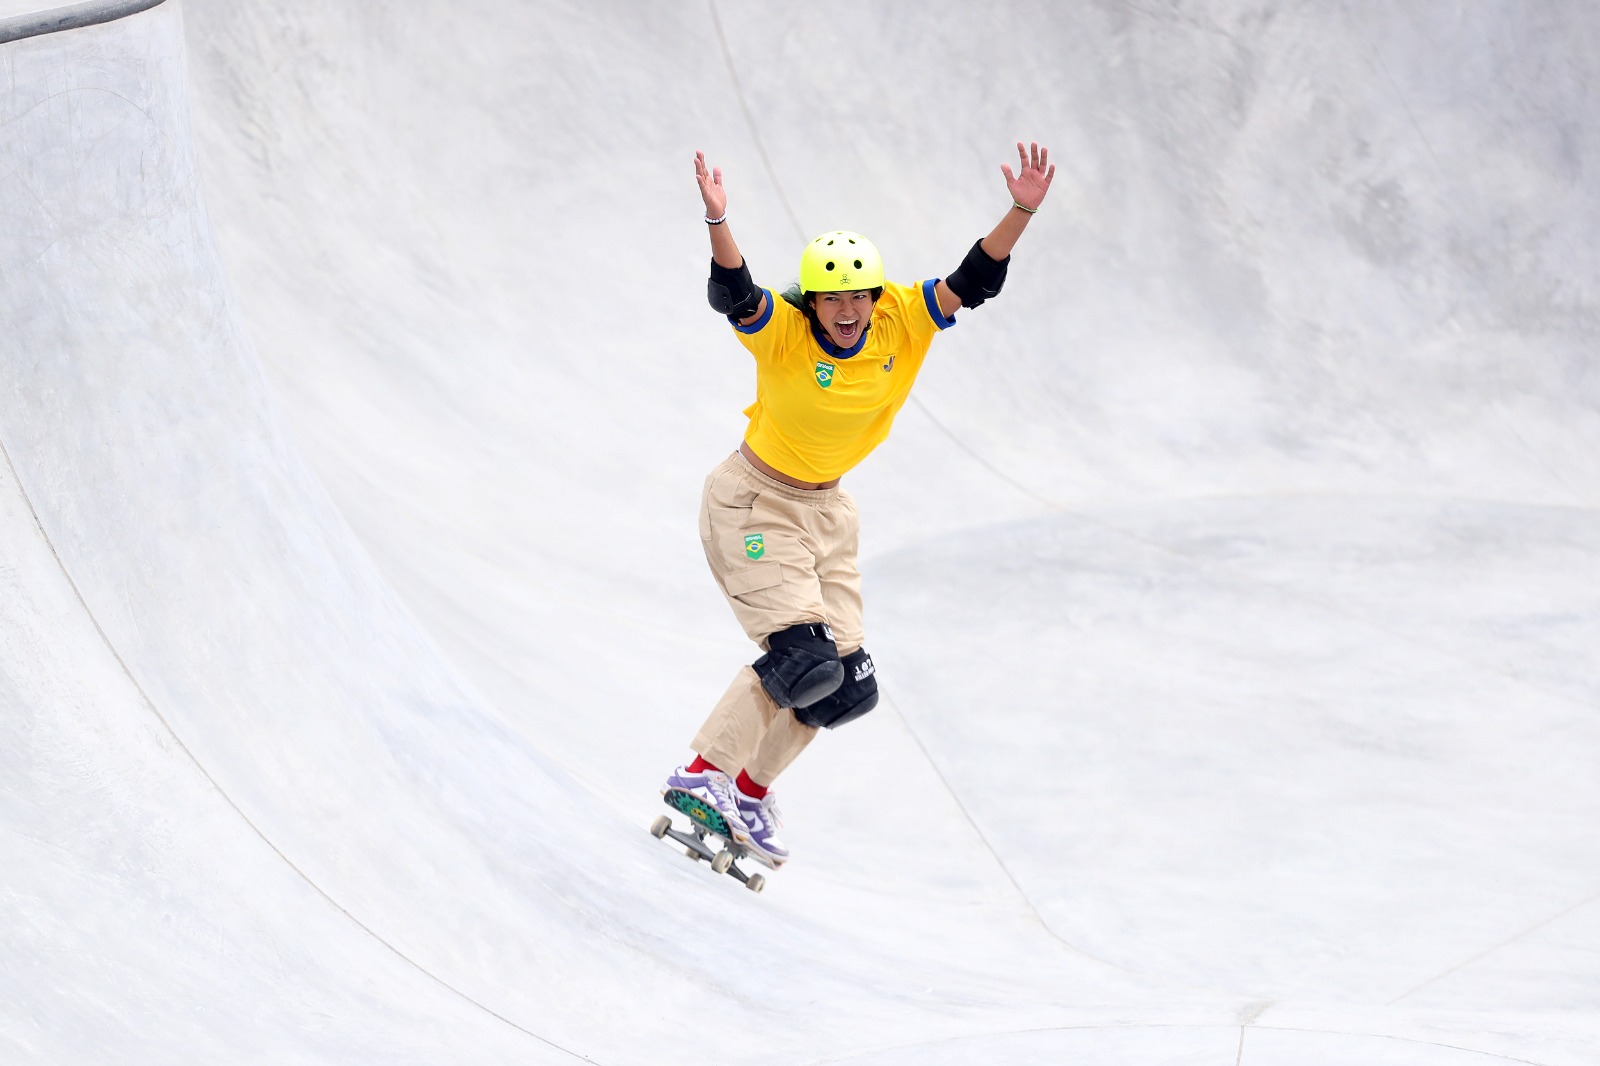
1231,575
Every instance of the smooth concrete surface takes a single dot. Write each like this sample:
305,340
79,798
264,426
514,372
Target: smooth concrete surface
1232,577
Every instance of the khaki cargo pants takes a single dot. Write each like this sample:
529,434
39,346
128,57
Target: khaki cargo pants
782,556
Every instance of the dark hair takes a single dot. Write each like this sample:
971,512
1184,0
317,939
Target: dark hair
792,295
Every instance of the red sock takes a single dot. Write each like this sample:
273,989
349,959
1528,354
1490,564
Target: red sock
700,766
749,787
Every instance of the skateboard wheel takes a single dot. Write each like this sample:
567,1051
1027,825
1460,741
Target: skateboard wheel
693,854
756,883
659,827
721,863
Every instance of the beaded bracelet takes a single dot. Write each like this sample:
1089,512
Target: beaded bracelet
716,221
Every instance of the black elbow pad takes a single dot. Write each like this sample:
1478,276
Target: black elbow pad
732,292
978,277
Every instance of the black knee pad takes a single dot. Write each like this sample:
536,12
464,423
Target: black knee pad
801,665
854,698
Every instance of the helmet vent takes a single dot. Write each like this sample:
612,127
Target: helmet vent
828,265
858,264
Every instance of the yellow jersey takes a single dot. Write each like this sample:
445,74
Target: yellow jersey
819,411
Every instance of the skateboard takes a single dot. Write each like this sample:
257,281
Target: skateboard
706,827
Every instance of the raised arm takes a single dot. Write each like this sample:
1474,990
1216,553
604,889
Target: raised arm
983,271
730,289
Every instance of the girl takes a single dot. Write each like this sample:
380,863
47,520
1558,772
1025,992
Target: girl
836,356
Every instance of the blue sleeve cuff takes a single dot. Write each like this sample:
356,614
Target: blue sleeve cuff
931,298
755,327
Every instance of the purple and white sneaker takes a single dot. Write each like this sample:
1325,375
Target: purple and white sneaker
708,799
762,821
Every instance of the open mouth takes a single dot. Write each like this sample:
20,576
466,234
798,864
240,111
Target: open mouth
847,331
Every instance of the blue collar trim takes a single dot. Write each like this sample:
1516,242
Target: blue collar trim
833,350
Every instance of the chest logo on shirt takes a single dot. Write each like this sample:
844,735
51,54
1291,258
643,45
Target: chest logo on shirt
755,546
825,372
889,365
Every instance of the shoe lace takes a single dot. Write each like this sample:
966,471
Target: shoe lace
721,786
769,809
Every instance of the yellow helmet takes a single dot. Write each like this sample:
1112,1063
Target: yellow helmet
840,261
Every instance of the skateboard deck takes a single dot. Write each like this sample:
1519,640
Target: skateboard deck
706,829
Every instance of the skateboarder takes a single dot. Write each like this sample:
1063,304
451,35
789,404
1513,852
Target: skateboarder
835,357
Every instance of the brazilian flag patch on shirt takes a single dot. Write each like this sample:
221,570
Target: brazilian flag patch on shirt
825,371
754,546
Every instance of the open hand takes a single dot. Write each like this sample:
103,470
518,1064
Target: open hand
1032,181
711,190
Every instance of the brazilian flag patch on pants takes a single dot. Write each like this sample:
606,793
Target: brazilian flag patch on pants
754,546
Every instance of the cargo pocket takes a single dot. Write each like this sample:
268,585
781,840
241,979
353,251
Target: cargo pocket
754,583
